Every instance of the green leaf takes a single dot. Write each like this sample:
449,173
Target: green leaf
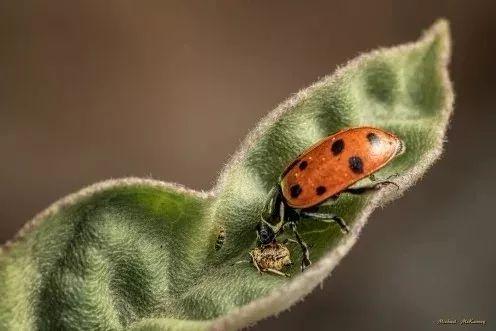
140,254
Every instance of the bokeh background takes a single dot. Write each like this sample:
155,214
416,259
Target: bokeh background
91,90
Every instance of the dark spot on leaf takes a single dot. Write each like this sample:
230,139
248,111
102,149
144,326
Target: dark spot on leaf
337,147
303,165
381,82
295,191
356,164
320,190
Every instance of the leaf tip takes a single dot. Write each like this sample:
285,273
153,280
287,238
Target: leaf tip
439,32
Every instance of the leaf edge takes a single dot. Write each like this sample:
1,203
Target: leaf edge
88,191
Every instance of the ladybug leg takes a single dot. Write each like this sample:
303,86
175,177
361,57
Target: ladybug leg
328,218
305,261
373,178
371,188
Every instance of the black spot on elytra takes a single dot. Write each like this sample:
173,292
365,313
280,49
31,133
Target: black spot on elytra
295,191
320,190
373,138
356,164
337,147
303,165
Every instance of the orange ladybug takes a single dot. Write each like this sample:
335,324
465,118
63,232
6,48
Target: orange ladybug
322,172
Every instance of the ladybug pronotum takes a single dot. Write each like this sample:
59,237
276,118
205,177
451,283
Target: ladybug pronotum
321,173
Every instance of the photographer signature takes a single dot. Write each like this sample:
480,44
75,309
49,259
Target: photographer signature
463,321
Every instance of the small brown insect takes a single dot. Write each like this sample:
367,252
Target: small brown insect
220,239
271,258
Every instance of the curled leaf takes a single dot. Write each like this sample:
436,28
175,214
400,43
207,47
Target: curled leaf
141,254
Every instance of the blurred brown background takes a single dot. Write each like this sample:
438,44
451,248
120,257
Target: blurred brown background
96,89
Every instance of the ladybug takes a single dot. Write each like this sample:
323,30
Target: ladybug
322,173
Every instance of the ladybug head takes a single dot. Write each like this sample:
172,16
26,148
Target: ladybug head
265,233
